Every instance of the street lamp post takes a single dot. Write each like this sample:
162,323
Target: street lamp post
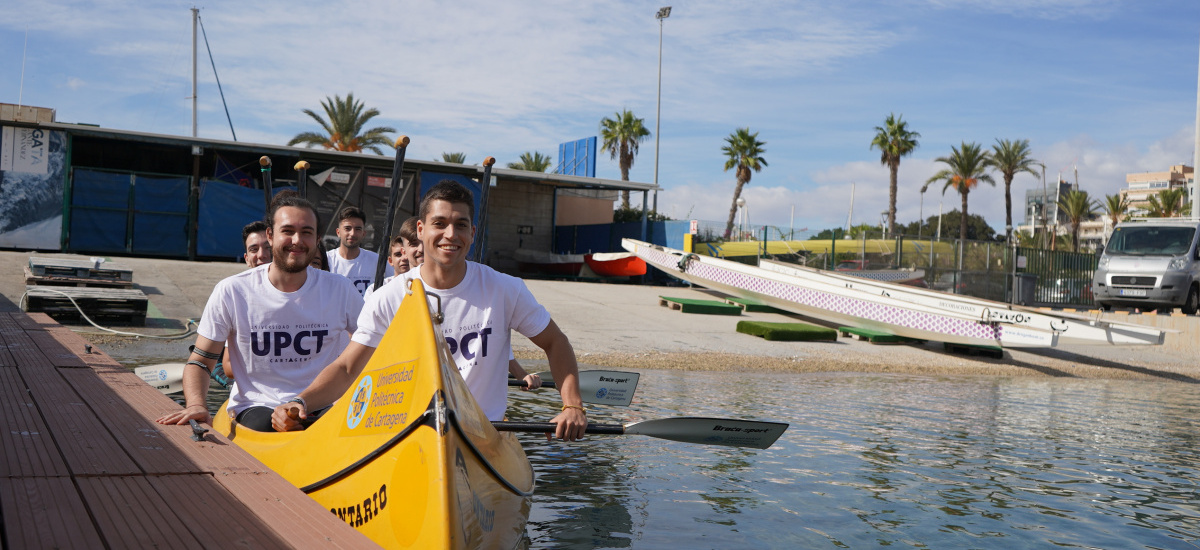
921,220
663,13
741,204
1045,195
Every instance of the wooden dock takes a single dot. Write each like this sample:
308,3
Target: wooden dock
84,465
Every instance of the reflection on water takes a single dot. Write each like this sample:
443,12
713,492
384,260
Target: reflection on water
878,460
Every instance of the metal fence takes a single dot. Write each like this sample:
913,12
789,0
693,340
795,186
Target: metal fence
984,269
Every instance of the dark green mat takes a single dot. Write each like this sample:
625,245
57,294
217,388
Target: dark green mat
708,307
967,349
874,336
787,332
751,305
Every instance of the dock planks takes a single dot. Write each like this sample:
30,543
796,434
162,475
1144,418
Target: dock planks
84,465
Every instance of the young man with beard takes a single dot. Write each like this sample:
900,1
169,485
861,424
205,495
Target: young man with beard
349,259
284,321
481,306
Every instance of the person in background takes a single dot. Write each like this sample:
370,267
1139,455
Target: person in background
349,259
258,250
481,307
405,254
283,320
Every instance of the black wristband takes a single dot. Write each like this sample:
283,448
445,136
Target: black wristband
299,400
201,365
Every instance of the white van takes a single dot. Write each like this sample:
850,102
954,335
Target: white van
1150,263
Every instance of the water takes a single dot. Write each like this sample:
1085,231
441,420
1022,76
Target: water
878,460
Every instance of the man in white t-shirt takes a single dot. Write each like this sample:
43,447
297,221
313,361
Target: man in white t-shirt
349,259
284,322
481,307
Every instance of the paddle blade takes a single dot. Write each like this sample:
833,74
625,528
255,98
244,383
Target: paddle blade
711,431
166,378
602,387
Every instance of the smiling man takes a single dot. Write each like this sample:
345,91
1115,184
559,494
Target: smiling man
284,322
481,307
350,259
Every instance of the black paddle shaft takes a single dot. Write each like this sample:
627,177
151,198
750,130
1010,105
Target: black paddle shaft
265,162
521,383
385,249
547,427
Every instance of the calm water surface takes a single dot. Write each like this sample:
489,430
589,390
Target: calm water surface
878,460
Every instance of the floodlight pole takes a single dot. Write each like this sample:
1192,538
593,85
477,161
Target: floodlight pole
195,20
663,13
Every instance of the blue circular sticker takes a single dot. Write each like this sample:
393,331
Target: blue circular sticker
162,374
600,393
358,404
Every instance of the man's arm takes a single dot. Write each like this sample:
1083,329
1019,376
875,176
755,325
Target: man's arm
572,421
532,381
333,381
195,385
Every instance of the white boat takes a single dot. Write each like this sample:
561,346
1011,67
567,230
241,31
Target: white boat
1071,329
890,308
830,302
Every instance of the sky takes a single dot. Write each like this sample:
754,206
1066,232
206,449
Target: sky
1100,88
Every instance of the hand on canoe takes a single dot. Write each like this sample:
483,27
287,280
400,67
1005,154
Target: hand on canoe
570,425
287,417
199,413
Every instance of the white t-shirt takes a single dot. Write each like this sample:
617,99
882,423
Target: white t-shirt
480,313
279,341
360,270
371,288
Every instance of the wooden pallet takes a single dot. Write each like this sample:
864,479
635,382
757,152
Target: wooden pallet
79,269
707,307
751,305
102,305
874,336
31,279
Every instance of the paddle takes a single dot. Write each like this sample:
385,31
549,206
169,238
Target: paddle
481,227
302,180
168,377
598,387
728,432
265,162
397,171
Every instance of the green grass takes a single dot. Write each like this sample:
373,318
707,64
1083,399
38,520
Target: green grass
787,332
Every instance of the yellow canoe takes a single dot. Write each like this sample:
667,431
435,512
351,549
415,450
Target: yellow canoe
406,456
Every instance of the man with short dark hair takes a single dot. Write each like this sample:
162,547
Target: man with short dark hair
481,308
254,237
349,259
284,322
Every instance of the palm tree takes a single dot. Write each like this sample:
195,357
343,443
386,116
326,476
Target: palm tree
1011,158
743,152
1116,206
456,158
1169,203
1077,206
532,162
893,140
965,168
621,136
344,129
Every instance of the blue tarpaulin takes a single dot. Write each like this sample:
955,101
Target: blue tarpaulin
225,209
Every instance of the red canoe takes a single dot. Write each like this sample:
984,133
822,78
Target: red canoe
615,264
